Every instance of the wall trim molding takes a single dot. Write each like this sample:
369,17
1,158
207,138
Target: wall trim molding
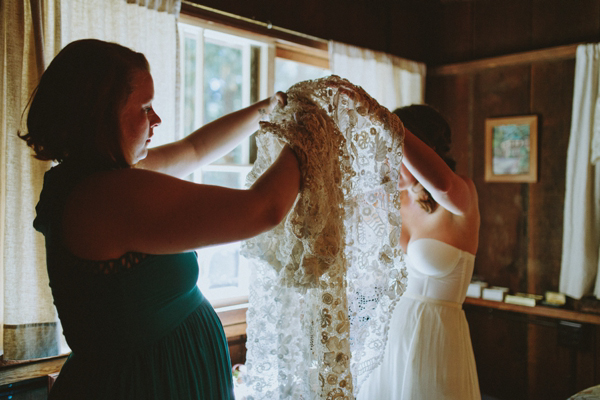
527,57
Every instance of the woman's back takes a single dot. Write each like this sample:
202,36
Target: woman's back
460,231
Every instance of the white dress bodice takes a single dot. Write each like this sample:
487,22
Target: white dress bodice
437,270
429,354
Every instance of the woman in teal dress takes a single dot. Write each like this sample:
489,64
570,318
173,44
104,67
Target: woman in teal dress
121,227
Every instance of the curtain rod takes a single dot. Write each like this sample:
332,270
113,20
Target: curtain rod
259,27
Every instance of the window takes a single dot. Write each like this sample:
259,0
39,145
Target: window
294,63
289,72
222,72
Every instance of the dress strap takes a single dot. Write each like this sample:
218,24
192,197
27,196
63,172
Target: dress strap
430,300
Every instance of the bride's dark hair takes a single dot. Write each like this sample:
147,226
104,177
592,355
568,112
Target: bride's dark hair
431,128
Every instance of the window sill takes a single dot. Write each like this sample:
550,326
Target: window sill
11,372
233,319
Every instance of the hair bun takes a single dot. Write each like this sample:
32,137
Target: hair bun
428,125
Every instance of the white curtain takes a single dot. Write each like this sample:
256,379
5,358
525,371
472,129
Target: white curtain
581,232
32,34
29,322
392,81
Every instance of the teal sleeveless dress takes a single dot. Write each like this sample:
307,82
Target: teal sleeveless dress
138,326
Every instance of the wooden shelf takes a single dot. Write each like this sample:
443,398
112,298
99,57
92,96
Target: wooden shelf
233,319
31,369
542,311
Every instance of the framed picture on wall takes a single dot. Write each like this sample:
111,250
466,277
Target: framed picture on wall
511,149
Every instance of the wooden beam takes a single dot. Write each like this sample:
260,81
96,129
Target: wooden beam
303,54
528,57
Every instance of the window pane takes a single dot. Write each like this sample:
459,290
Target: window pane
234,180
223,82
223,272
231,72
288,73
223,268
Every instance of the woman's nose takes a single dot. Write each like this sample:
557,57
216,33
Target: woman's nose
155,120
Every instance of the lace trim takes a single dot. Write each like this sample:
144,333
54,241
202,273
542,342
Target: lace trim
105,267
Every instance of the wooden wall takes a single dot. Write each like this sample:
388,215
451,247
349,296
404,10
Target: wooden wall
521,235
521,227
518,356
475,29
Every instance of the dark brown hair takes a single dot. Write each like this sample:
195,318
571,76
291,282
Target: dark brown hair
431,128
74,111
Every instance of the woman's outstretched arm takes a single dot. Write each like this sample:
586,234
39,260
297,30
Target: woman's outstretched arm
149,212
210,142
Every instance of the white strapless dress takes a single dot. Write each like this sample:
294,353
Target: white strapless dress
429,354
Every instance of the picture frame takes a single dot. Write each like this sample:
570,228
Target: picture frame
511,149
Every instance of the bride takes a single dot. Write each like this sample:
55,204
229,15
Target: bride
429,354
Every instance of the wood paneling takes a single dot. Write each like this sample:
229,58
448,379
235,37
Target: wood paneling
552,54
501,258
500,347
501,27
408,31
558,22
452,97
526,356
237,349
518,355
435,31
450,28
552,102
474,29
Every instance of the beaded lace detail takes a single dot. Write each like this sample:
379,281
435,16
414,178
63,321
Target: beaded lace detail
105,267
325,281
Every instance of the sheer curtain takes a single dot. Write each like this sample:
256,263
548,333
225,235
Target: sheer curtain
581,232
29,323
33,32
393,81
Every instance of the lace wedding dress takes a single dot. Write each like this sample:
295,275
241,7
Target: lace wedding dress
325,281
